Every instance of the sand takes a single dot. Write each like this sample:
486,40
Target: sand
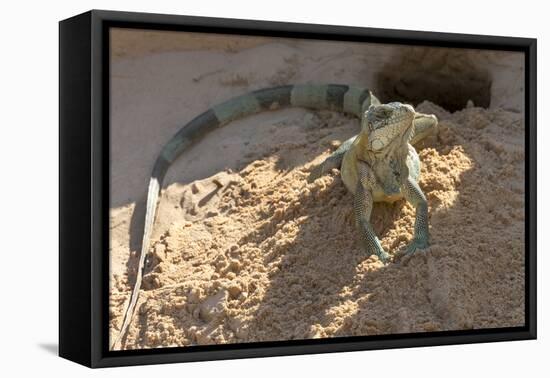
245,250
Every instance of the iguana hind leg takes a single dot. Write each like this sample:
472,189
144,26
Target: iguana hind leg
414,195
333,161
362,204
424,125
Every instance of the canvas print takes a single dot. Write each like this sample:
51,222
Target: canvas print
276,189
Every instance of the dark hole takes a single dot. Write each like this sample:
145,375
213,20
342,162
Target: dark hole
446,77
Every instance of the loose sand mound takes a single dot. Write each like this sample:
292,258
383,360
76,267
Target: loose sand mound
258,254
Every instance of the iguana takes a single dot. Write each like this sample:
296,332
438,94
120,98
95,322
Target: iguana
378,164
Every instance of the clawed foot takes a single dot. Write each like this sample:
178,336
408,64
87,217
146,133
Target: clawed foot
315,173
383,256
416,244
378,251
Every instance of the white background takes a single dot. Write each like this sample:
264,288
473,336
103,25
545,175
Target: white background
29,186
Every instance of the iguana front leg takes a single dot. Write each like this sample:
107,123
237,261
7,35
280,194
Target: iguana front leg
414,195
333,161
362,204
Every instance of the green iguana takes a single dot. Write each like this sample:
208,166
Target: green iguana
379,164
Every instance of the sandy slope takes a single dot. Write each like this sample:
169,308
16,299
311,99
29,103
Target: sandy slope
245,250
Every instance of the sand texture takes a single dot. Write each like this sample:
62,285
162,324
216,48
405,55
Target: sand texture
245,250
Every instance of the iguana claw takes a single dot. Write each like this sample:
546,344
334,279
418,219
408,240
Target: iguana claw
417,244
315,173
383,256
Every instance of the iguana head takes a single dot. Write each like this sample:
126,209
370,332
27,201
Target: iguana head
385,124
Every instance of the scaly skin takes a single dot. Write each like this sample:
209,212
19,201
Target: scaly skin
335,97
380,164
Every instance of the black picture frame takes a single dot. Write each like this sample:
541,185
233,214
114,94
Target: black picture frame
84,191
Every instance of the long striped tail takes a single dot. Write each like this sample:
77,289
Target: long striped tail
336,97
